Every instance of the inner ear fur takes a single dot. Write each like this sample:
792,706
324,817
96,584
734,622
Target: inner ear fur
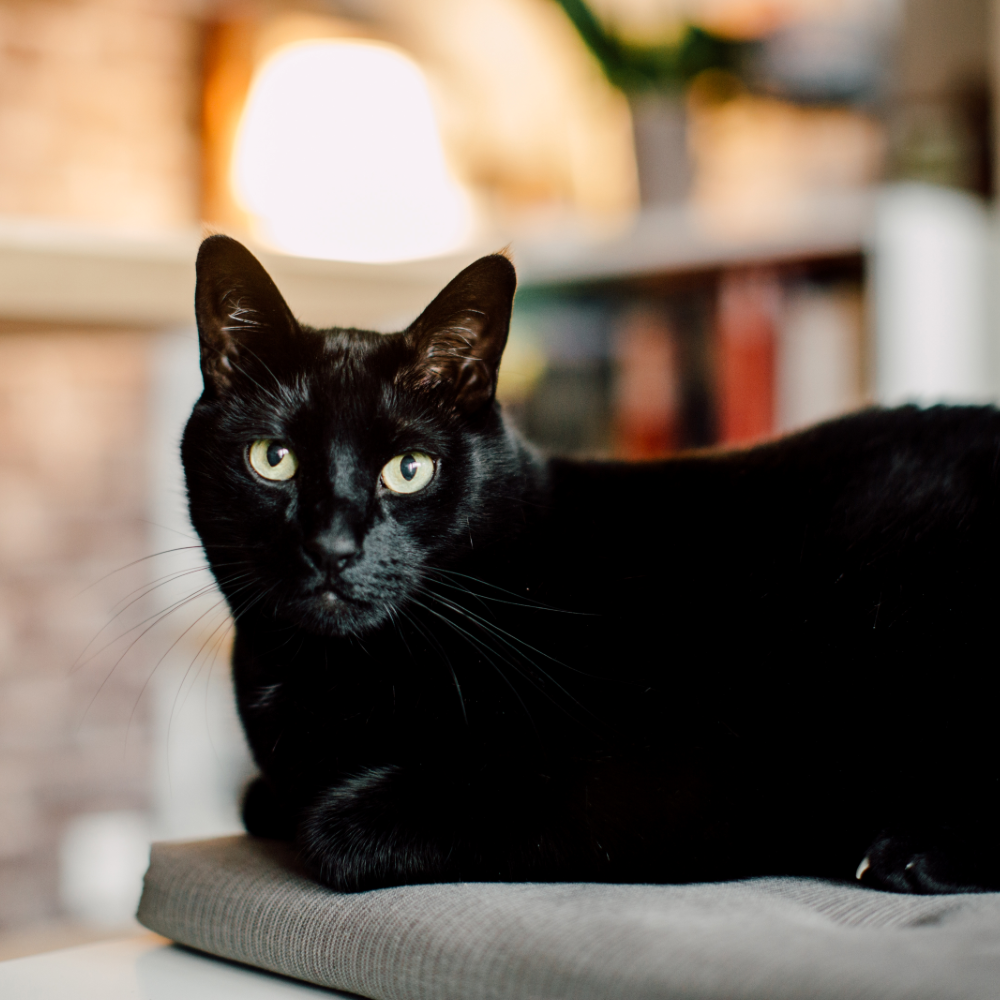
459,338
239,310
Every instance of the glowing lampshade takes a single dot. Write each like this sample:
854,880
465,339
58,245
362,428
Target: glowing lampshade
338,156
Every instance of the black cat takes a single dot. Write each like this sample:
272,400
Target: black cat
457,660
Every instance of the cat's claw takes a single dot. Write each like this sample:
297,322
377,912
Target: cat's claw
923,861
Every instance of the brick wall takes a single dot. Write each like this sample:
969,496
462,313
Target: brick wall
72,502
98,108
98,123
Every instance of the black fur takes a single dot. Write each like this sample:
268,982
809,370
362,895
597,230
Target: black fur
779,660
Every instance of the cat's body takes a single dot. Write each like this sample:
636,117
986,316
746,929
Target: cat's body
778,660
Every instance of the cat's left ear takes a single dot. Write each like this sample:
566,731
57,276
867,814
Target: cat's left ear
459,338
241,314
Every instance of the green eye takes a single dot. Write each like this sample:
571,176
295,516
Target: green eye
272,460
409,472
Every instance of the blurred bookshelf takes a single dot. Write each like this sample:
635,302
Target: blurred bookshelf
679,334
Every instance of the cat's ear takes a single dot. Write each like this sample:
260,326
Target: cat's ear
459,338
240,312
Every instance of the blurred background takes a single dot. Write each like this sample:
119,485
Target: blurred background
731,218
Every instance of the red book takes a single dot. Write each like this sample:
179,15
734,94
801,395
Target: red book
746,331
646,397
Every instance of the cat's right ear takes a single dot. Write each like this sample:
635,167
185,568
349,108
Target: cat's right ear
239,311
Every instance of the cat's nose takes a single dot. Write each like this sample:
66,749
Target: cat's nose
333,549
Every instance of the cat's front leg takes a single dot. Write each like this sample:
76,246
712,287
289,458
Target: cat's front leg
398,825
370,830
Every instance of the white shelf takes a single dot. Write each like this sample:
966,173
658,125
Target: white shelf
53,272
680,238
58,272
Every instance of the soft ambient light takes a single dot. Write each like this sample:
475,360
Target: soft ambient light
338,156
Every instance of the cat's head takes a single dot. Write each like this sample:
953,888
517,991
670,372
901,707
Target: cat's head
329,471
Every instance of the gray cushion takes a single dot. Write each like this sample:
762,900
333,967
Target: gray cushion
771,938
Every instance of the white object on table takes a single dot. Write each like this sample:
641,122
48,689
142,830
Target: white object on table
143,968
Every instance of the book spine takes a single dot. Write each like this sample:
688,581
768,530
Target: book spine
749,302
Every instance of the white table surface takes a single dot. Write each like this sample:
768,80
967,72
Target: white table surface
143,968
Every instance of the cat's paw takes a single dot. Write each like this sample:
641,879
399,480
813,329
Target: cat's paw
915,863
369,832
